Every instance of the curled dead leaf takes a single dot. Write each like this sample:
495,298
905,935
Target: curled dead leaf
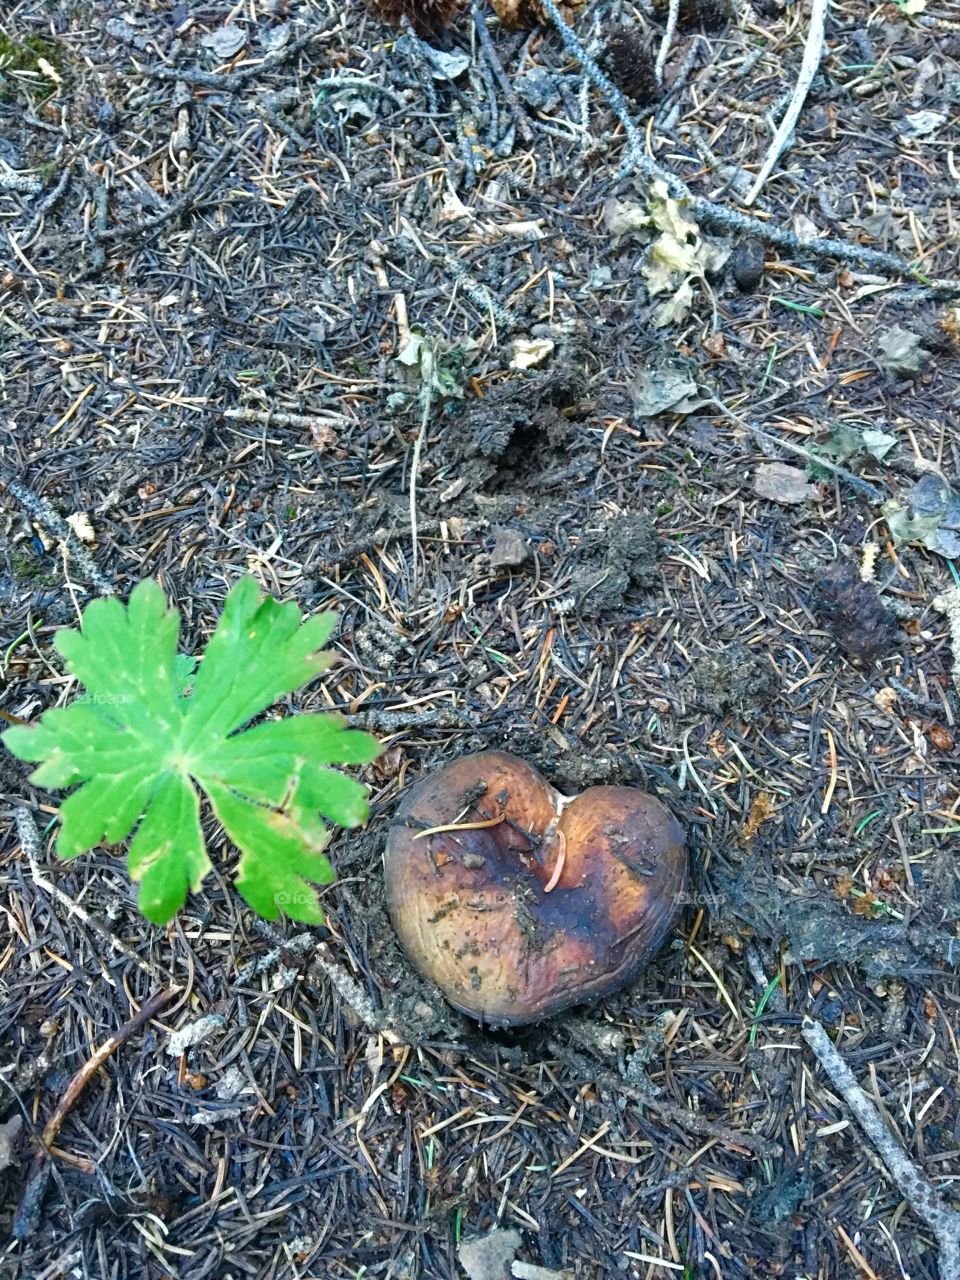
761,811
781,483
940,737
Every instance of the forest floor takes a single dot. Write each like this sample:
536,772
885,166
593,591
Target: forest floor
246,251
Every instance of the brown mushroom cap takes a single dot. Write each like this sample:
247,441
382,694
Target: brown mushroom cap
482,911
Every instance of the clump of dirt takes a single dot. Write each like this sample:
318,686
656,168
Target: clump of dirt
822,929
624,553
577,771
853,613
516,436
736,680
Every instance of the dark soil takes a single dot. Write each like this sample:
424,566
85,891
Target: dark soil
736,680
210,260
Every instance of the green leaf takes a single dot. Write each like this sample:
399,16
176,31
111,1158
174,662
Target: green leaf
70,741
125,658
151,729
280,860
167,854
106,808
259,652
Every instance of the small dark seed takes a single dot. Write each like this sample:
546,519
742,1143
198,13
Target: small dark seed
747,264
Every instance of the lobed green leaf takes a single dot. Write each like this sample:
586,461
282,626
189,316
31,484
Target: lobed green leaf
280,861
78,742
125,659
167,855
151,723
260,651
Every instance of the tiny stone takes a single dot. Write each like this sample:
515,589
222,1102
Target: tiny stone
509,550
489,1257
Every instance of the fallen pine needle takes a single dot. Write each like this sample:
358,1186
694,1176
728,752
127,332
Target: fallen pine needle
725,994
832,759
459,826
584,1146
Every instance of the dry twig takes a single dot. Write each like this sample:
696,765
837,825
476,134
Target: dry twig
922,1196
28,1211
812,53
43,513
30,844
673,13
352,993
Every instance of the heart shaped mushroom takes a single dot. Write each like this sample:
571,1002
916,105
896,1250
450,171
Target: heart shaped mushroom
519,902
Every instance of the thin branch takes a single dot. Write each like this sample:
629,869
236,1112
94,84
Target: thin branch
43,513
28,1211
320,958
714,215
921,1195
352,993
503,80
30,844
427,367
709,214
812,53
188,200
278,418
868,490
571,42
149,1009
673,13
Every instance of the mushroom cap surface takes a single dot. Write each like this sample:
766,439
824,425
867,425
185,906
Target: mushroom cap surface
529,902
